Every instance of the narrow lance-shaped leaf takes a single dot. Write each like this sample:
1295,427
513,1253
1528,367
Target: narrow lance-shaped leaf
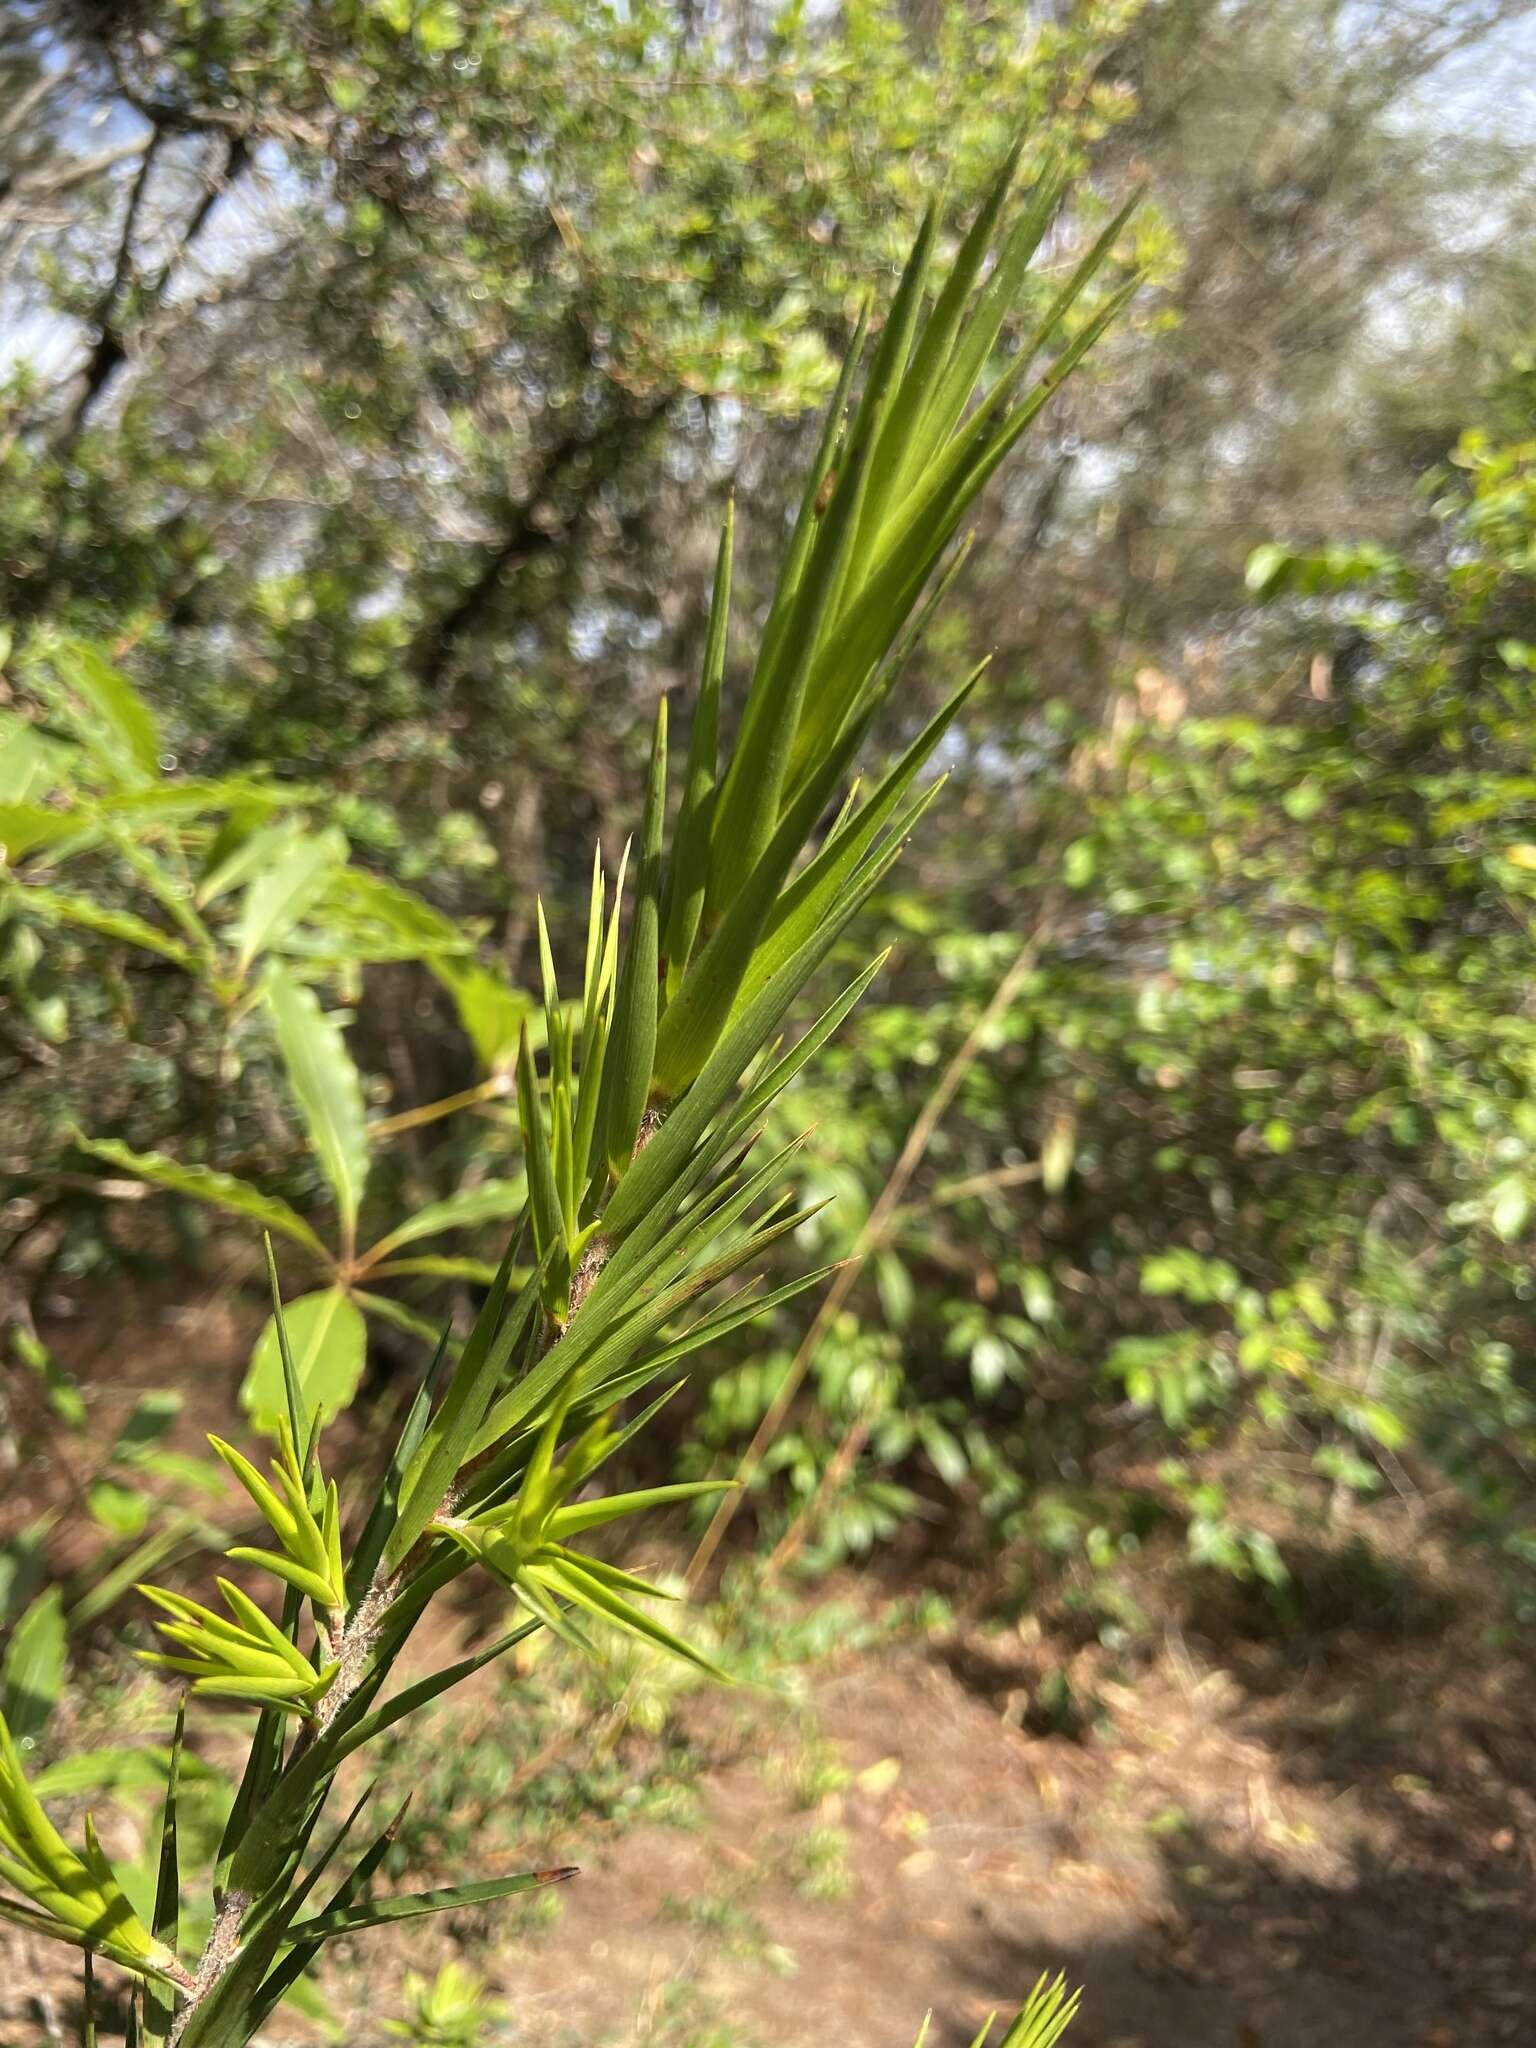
61,906
954,479
688,869
596,906
433,1266
747,812
167,1915
116,1770
877,415
668,1154
925,377
353,1919
369,1548
1045,2015
493,1201
33,1670
593,1586
261,1850
222,2017
446,1441
816,889
205,1184
771,1084
595,1013
632,1040
694,1021
947,483
947,397
668,1242
263,1759
302,1952
293,1391
543,1194
328,1092
808,518
76,1898
883,679
603,1353
991,456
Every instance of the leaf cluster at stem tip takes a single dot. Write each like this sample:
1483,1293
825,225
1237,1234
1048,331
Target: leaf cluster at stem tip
645,1196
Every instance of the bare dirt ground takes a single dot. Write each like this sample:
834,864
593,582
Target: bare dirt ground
1347,1857
1260,1838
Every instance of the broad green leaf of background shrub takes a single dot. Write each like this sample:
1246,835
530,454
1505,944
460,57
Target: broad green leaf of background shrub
328,1338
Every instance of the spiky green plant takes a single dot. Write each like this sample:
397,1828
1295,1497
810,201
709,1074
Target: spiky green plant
644,1193
1039,2022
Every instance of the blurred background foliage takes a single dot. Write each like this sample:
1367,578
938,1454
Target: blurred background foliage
376,375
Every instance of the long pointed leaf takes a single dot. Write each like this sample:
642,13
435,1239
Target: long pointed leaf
493,1201
688,869
204,1184
284,888
328,1092
632,1039
414,1905
159,2011
446,1441
747,813
381,1515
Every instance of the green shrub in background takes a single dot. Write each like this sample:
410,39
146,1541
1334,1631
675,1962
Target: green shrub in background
643,1188
240,895
238,888
1244,1165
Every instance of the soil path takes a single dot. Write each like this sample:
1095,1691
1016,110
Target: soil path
1317,1839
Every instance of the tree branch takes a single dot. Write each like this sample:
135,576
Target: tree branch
527,535
110,349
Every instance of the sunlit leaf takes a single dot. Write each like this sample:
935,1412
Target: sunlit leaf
414,1905
326,1086
493,1201
491,1011
111,719
328,1338
283,889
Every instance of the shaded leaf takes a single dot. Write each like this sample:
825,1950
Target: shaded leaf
60,906
116,1770
205,1184
33,1670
